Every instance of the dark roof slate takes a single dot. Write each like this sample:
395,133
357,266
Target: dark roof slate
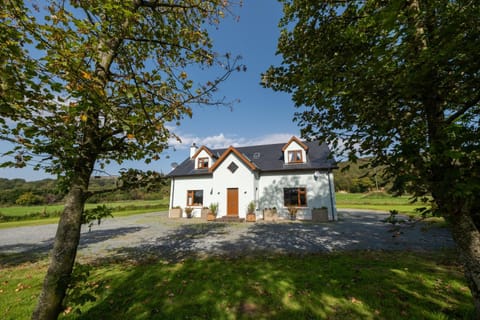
270,159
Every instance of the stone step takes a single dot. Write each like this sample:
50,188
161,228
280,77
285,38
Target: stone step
230,219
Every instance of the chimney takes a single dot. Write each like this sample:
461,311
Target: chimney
193,150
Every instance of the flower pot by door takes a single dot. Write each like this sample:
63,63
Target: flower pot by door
251,217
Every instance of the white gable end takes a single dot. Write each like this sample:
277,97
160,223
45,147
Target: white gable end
232,173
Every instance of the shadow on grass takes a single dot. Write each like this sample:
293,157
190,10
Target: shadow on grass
361,285
19,253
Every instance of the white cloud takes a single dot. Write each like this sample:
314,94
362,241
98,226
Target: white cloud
223,141
269,139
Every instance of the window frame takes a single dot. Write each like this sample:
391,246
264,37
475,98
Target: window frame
301,194
202,163
295,156
191,195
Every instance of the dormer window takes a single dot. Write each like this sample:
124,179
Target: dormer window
295,151
295,156
202,163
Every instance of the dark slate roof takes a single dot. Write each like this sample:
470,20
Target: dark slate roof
267,158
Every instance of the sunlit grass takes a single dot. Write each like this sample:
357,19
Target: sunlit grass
379,201
50,209
120,209
357,285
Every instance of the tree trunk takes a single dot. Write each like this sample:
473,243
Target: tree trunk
64,252
467,238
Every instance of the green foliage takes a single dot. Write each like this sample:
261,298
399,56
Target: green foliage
28,198
87,83
45,191
96,214
214,208
392,80
251,207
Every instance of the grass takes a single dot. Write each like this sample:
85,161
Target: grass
123,208
355,285
51,209
377,201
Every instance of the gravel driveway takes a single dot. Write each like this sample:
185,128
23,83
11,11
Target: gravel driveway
154,235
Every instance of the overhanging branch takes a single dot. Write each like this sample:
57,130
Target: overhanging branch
462,111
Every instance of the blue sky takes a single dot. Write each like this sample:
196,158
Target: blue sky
261,115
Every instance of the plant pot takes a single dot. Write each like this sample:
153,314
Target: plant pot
175,213
270,215
251,217
320,214
210,216
204,214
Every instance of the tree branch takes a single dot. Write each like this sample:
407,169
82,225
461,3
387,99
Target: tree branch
462,111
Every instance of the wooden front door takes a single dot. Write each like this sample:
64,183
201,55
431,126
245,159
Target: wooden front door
232,202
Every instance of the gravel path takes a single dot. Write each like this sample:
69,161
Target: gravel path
154,235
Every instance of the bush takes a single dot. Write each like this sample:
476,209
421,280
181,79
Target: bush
28,198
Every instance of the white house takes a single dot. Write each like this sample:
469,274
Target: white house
295,173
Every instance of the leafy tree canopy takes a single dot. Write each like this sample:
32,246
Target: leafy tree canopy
398,81
108,76
391,80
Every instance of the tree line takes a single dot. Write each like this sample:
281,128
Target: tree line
47,191
351,177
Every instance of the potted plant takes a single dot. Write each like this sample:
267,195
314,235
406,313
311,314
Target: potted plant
204,213
320,214
175,212
251,212
270,214
212,214
188,211
292,211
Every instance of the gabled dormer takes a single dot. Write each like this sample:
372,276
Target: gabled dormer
295,151
203,158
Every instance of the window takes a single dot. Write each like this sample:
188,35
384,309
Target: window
202,163
295,156
232,167
195,198
295,197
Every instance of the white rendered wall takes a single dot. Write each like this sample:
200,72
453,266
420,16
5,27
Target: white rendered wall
242,178
180,186
270,192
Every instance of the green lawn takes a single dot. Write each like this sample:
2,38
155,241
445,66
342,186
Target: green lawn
25,210
377,201
355,285
123,208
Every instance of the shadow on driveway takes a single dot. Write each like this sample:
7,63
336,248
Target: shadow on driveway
13,254
354,231
155,236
